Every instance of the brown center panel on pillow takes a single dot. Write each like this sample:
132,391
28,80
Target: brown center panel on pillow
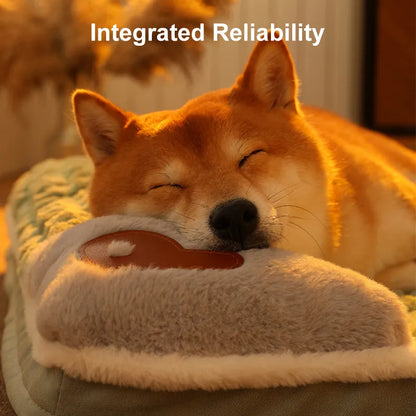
155,250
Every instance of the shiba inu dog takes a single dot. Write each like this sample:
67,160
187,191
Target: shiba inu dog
250,167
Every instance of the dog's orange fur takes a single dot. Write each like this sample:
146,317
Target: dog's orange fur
322,185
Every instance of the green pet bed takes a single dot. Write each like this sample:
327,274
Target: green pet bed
276,334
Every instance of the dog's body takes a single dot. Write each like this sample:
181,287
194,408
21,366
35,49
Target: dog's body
249,167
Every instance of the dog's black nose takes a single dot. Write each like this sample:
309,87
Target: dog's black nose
234,220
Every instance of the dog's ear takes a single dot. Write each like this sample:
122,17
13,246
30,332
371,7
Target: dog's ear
270,76
99,122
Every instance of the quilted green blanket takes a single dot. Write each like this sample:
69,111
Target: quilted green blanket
50,198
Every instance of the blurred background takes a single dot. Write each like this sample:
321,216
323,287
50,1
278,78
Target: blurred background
363,69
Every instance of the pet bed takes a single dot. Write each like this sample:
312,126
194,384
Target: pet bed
91,329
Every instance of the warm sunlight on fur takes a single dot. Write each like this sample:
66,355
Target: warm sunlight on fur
250,167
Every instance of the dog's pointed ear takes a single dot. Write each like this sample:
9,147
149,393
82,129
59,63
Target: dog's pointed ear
270,76
99,122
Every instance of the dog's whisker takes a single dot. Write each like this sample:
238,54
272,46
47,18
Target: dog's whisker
303,209
272,197
275,201
283,190
309,234
290,216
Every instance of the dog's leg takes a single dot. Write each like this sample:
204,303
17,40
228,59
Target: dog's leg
399,277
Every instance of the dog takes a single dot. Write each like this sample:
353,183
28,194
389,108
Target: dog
250,167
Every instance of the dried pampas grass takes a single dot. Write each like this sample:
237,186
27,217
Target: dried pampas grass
50,40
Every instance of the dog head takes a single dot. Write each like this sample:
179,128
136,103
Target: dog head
225,168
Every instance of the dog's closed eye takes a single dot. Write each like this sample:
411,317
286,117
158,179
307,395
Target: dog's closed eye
172,185
245,158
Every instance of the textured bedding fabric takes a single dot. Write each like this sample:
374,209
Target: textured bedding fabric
50,198
53,198
280,318
35,390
